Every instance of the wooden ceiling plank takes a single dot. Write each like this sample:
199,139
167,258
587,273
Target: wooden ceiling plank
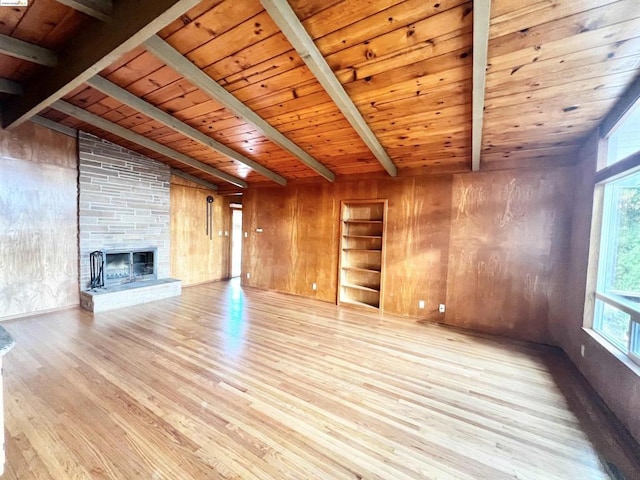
216,122
427,33
10,17
10,66
144,142
10,87
297,98
100,9
190,105
584,91
374,20
599,55
96,46
211,24
176,60
114,91
262,71
620,38
499,140
537,13
154,82
47,24
286,19
173,90
125,59
245,34
22,70
551,112
307,8
563,79
424,120
85,97
542,163
142,75
481,20
538,128
194,179
458,41
456,95
192,15
16,48
413,80
620,15
533,150
51,125
242,61
311,122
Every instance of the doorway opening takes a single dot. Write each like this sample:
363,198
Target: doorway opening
236,241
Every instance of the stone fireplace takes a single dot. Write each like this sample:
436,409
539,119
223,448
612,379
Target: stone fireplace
124,213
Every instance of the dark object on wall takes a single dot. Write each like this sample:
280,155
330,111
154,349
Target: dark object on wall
210,216
96,259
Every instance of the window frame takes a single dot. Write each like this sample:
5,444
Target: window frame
600,219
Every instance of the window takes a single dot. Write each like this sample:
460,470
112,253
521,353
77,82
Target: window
625,140
617,293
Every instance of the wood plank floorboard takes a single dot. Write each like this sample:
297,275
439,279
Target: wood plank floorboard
233,383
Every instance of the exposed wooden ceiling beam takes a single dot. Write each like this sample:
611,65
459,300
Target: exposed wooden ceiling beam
27,51
51,125
127,134
10,87
194,179
100,9
191,72
481,20
114,91
286,19
96,46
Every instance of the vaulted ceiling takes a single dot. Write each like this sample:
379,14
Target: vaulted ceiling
243,92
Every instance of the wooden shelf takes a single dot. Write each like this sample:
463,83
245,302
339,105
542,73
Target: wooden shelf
363,236
362,231
360,269
347,249
349,301
360,287
351,220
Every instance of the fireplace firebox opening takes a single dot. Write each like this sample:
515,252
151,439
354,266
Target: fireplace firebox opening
125,266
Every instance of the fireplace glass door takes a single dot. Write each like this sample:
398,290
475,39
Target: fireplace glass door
132,266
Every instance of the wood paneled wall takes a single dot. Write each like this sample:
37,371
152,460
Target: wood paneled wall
484,244
509,235
617,384
38,221
194,257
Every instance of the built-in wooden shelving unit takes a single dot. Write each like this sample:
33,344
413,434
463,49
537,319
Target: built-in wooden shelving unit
361,269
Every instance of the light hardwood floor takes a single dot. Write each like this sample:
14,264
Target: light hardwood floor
245,384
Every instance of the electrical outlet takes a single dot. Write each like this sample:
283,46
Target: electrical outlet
314,286
246,234
582,350
248,275
219,233
441,309
421,304
226,233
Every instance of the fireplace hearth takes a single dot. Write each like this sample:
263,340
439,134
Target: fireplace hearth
123,278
